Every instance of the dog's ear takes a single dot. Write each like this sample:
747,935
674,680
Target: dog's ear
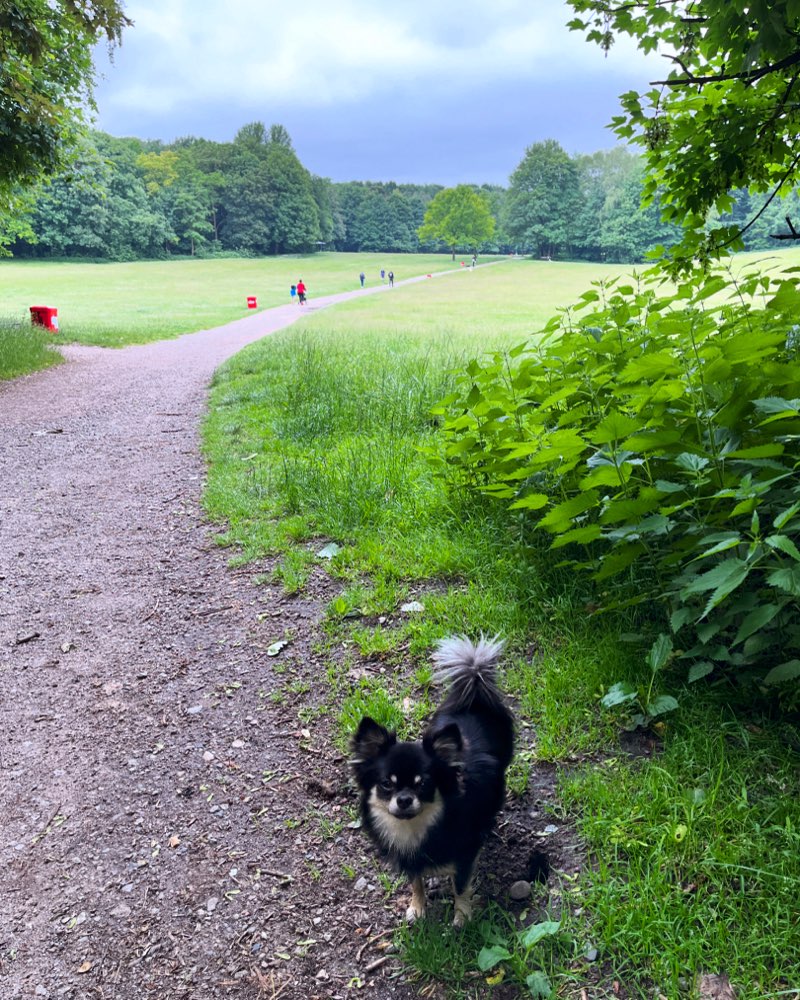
370,741
446,744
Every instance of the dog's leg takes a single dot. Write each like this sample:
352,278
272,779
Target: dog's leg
463,890
418,901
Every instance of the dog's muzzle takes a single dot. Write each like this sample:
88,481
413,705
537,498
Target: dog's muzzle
404,805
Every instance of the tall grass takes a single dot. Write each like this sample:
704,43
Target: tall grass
24,348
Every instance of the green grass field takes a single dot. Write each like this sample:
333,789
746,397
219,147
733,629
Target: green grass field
116,304
322,432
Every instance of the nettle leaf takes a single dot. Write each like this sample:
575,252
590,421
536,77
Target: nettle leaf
730,542
759,451
756,620
607,475
618,560
692,463
700,670
560,517
785,516
619,694
786,579
713,578
580,536
664,486
615,426
784,544
680,618
785,672
533,501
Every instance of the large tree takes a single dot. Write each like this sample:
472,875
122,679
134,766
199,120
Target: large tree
46,76
725,114
543,200
459,217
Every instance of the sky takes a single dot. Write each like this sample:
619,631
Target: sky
419,91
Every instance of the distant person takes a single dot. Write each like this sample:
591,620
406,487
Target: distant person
383,275
301,291
361,278
474,259
391,279
293,291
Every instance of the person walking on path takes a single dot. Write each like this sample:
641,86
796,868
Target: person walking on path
383,275
391,279
301,291
361,278
293,291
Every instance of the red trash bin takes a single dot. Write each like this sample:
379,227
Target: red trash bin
251,302
46,316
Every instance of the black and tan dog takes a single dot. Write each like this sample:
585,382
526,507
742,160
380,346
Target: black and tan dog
429,805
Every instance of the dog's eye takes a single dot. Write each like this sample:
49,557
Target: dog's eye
387,785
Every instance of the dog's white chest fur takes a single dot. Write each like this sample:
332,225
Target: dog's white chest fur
403,835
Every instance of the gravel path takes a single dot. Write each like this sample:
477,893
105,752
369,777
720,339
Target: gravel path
169,829
133,739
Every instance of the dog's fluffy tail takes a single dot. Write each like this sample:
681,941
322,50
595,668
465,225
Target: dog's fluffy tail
469,671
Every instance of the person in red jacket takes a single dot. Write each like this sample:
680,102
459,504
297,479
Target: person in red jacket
301,291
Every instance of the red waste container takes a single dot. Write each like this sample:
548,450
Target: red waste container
45,316
251,302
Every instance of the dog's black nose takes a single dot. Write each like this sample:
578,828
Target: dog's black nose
404,800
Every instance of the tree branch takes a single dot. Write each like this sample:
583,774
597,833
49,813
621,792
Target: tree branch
748,76
765,206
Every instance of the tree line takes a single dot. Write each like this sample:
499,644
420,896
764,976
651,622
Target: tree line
129,199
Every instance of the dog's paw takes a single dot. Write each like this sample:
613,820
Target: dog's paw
414,913
463,912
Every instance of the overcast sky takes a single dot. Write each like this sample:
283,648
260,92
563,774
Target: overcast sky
416,90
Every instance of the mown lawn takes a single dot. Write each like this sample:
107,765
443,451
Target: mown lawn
114,304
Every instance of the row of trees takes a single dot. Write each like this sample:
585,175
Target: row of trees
126,199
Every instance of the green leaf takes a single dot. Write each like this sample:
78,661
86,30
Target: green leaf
488,958
758,451
692,463
786,579
560,517
533,934
533,501
614,426
698,670
783,544
660,652
757,619
729,571
619,694
785,516
785,672
538,985
679,618
729,543
579,536
661,705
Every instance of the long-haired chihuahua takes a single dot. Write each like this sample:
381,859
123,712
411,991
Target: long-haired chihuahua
429,805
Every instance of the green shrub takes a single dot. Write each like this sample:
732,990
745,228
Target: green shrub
656,438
